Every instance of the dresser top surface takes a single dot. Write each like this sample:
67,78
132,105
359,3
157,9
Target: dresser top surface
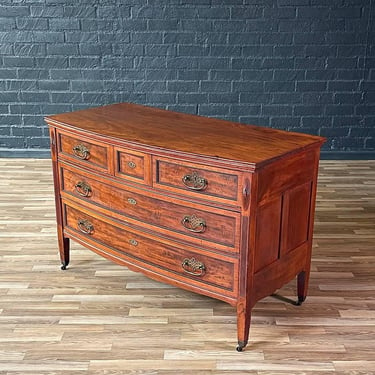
185,133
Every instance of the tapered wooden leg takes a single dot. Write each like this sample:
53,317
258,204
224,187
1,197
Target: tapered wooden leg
243,325
64,249
302,286
64,245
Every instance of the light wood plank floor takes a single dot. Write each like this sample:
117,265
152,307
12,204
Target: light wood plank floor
100,318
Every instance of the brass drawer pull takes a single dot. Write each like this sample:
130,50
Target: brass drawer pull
133,242
83,189
81,151
132,201
193,267
194,224
194,181
131,164
85,226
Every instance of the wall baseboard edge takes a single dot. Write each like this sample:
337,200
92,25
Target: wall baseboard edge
32,153
324,155
347,155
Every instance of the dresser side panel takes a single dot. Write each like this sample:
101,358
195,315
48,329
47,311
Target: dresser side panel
286,173
267,235
283,248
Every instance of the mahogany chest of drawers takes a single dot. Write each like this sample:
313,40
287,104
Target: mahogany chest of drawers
215,207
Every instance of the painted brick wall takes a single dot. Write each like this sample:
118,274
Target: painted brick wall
302,65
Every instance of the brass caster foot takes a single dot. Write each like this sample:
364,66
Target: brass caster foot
300,301
240,347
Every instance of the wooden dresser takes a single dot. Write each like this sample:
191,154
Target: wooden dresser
215,207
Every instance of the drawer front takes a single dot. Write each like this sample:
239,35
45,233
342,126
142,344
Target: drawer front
191,265
199,224
132,166
85,152
196,180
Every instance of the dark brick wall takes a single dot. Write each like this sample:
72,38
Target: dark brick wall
302,65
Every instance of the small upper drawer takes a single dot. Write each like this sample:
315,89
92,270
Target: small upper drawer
84,151
196,180
132,165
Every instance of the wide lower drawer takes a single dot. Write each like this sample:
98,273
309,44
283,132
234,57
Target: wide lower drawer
200,224
142,250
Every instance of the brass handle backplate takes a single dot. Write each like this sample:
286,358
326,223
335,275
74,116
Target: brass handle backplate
131,164
193,267
83,189
194,224
81,151
133,242
194,181
85,226
132,201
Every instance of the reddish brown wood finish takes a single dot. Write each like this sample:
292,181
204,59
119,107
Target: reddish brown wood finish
96,155
144,208
180,132
219,208
133,166
222,186
218,273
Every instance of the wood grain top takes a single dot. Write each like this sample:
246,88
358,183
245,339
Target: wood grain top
186,133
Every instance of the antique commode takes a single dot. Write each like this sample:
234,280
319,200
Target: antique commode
215,207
